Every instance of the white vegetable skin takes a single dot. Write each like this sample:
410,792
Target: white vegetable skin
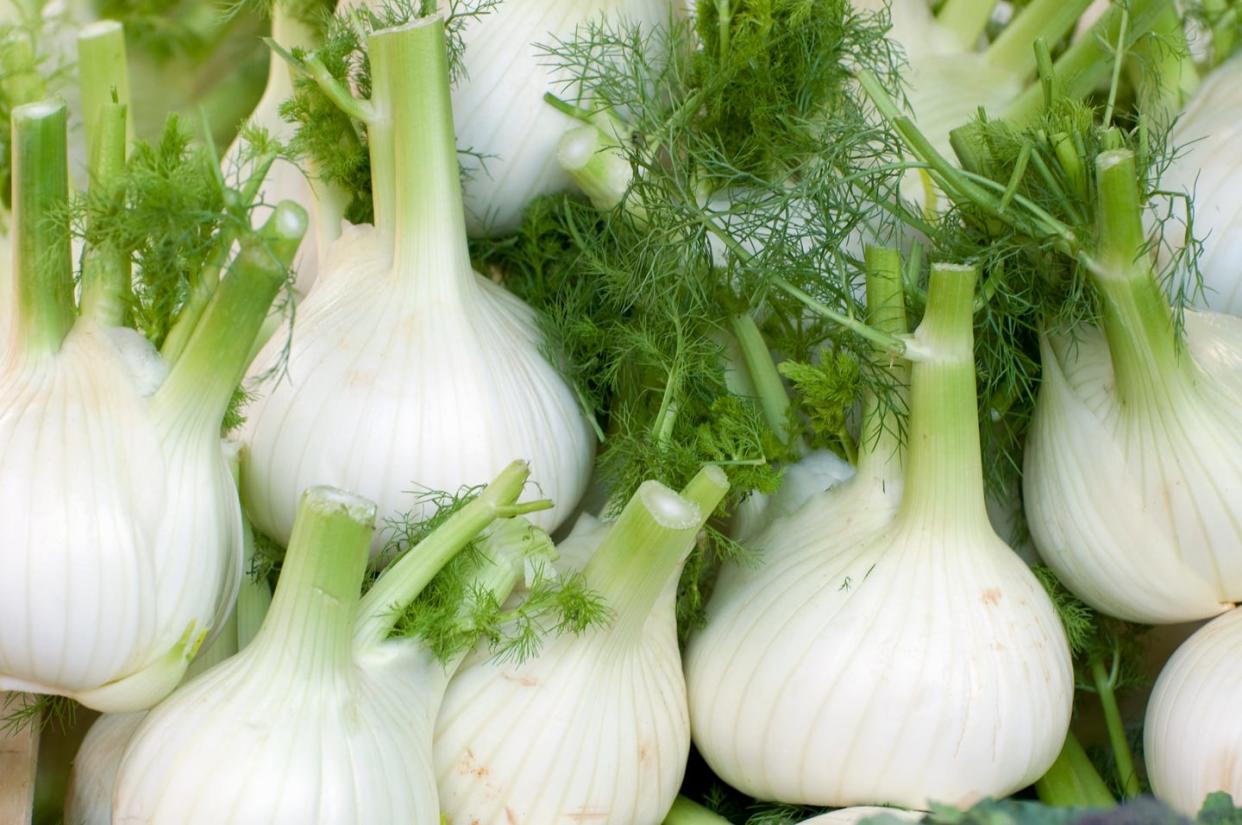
499,111
1208,168
1135,506
1192,736
406,370
402,380
93,778
890,648
813,474
124,529
595,726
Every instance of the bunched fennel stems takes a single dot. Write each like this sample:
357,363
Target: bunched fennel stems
41,257
1073,781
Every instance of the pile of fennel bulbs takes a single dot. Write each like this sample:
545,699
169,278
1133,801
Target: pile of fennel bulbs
887,612
322,717
124,533
405,368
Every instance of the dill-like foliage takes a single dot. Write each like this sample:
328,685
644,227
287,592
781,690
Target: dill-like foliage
333,143
23,711
745,137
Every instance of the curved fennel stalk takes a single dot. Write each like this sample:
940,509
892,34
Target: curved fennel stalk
323,718
596,721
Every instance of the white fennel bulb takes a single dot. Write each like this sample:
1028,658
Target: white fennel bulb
594,726
406,369
1192,736
1134,457
93,775
123,534
1207,168
498,105
325,718
889,648
813,474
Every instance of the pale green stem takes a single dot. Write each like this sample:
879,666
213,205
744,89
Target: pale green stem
1136,316
1163,71
416,180
1072,781
103,74
646,546
106,277
404,580
944,469
311,618
967,19
1088,61
769,387
879,444
42,268
1127,776
888,343
1049,20
685,812
202,381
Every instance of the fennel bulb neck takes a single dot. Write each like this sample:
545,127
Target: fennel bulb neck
594,724
406,369
1133,451
808,686
322,718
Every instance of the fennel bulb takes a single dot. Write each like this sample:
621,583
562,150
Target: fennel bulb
1192,736
498,106
322,718
810,685
1134,457
93,775
405,368
1207,168
123,531
594,726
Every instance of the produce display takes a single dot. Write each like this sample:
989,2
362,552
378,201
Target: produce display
635,412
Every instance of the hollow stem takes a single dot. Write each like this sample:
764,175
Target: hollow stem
417,183
399,584
1136,316
879,445
107,289
103,75
42,268
685,812
944,468
1127,776
1072,781
769,388
967,19
311,618
1049,20
645,547
202,381
1088,61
